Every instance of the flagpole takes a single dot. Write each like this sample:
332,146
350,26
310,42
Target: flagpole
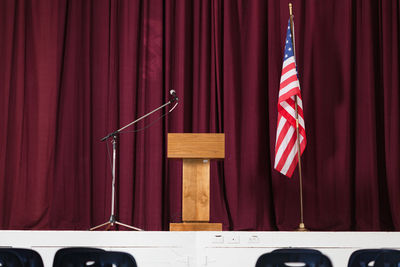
302,226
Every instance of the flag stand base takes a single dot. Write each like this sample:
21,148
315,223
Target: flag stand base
302,228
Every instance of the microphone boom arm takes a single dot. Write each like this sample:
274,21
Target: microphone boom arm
137,120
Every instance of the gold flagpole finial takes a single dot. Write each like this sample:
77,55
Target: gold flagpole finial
290,9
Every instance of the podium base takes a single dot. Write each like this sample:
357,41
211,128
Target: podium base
201,226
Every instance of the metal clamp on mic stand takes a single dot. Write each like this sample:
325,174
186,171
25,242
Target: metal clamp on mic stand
112,221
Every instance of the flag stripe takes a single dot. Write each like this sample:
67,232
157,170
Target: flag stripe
288,95
291,81
286,147
288,61
289,112
290,71
282,139
291,87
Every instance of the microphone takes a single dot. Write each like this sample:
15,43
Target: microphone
173,94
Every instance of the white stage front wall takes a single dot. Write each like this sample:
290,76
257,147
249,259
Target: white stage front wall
195,249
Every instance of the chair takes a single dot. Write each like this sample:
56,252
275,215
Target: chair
287,257
64,251
8,258
28,257
365,257
388,259
97,259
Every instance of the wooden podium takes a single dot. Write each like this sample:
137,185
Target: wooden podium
196,150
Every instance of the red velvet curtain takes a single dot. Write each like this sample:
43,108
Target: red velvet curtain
73,71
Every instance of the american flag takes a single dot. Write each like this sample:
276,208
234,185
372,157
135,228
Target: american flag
286,147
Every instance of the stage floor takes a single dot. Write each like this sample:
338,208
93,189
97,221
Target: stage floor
216,249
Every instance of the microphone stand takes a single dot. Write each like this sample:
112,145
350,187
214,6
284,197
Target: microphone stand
112,219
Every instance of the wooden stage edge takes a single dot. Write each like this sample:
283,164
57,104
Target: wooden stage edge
200,248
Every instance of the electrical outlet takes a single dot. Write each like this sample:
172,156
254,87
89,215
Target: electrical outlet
234,239
254,239
217,239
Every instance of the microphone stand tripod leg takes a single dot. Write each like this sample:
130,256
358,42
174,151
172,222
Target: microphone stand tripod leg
101,225
128,226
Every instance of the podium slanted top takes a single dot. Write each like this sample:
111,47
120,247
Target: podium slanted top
196,145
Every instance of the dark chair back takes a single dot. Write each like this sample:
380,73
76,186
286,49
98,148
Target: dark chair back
297,250
64,251
9,259
97,259
388,259
365,257
289,257
116,258
28,257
